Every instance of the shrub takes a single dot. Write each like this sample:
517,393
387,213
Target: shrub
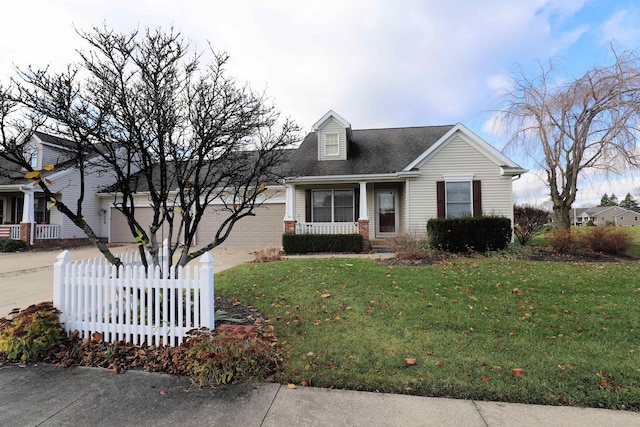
31,334
12,245
479,234
311,243
563,241
529,221
407,245
609,239
228,355
268,255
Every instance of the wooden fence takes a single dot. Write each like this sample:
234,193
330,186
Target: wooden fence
127,304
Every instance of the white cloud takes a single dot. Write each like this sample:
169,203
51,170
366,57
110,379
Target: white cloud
623,28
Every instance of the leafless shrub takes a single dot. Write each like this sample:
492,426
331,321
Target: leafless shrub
609,240
410,245
268,255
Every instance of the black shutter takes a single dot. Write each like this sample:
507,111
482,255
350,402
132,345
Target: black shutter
356,207
442,212
307,205
477,198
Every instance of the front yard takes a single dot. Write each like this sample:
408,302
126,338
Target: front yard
487,328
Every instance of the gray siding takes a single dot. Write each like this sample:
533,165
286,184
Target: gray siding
457,156
332,126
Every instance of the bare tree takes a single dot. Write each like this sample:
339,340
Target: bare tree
143,108
569,127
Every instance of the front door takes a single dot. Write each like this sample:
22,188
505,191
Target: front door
386,209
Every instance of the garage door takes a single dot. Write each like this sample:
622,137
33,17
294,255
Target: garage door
120,229
263,230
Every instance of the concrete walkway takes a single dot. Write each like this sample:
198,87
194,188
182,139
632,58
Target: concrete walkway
43,395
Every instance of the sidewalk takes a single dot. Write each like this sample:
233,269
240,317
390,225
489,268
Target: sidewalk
44,395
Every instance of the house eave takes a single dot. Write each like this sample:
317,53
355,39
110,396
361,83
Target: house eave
331,179
510,171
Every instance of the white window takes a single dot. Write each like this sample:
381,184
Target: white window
32,157
331,145
332,206
459,200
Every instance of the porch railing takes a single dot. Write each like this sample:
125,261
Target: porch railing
327,228
47,231
10,232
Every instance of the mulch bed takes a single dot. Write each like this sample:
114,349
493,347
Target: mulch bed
533,253
75,351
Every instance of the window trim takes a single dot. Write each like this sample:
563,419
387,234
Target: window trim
476,194
336,145
32,154
333,206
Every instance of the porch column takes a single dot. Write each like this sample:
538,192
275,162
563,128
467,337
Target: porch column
363,218
290,209
27,227
363,202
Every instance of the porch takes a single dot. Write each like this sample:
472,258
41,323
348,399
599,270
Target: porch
375,209
41,231
24,216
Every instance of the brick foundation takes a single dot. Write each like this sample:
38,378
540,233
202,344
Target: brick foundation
289,226
25,232
363,228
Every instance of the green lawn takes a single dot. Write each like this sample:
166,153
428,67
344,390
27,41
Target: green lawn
572,329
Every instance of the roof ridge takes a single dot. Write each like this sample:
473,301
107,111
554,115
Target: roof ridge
404,127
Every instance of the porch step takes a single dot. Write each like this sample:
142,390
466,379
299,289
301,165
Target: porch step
381,249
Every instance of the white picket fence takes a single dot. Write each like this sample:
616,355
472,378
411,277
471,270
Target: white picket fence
126,304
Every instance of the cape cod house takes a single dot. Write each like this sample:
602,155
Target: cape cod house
378,182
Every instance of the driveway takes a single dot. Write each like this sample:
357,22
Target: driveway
27,277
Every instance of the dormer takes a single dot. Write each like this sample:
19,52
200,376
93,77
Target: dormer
333,134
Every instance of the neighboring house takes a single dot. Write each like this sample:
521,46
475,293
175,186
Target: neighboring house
376,182
24,210
379,182
605,215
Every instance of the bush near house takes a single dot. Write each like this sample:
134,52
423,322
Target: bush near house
529,221
477,234
11,245
314,243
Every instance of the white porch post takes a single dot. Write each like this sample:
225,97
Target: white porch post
28,212
290,203
363,202
290,210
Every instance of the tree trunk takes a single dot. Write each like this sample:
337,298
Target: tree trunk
561,216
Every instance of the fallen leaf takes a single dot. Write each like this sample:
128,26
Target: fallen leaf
325,295
439,363
484,378
517,372
291,386
163,393
410,361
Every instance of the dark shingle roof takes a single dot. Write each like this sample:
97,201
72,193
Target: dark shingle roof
370,151
54,140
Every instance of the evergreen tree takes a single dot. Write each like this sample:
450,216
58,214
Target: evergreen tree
629,203
604,201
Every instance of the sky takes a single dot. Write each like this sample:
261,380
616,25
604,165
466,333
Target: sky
376,63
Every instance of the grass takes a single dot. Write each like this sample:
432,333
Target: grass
462,329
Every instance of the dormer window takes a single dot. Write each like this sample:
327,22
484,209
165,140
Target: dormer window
32,157
331,144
